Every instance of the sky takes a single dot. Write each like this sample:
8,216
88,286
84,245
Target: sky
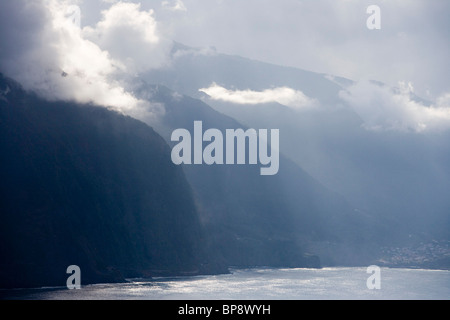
325,36
127,37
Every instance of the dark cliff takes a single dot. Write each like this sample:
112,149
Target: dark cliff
87,186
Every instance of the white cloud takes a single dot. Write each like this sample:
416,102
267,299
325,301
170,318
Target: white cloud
330,36
131,36
382,108
176,5
204,51
283,95
48,53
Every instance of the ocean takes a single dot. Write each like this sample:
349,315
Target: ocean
263,284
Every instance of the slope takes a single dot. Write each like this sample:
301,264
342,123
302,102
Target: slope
86,186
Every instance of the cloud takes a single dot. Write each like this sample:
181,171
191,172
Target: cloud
385,109
131,36
49,54
283,95
204,51
176,5
330,36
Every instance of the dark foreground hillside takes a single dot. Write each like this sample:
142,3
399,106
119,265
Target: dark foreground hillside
82,185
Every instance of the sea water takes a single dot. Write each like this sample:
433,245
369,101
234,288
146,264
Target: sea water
264,284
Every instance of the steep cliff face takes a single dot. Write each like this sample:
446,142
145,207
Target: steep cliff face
82,185
283,220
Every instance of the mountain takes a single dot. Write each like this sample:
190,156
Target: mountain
87,186
398,178
193,69
285,220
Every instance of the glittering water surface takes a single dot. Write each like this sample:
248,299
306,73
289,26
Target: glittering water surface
265,284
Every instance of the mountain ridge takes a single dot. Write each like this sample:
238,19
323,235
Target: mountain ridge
84,185
303,206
